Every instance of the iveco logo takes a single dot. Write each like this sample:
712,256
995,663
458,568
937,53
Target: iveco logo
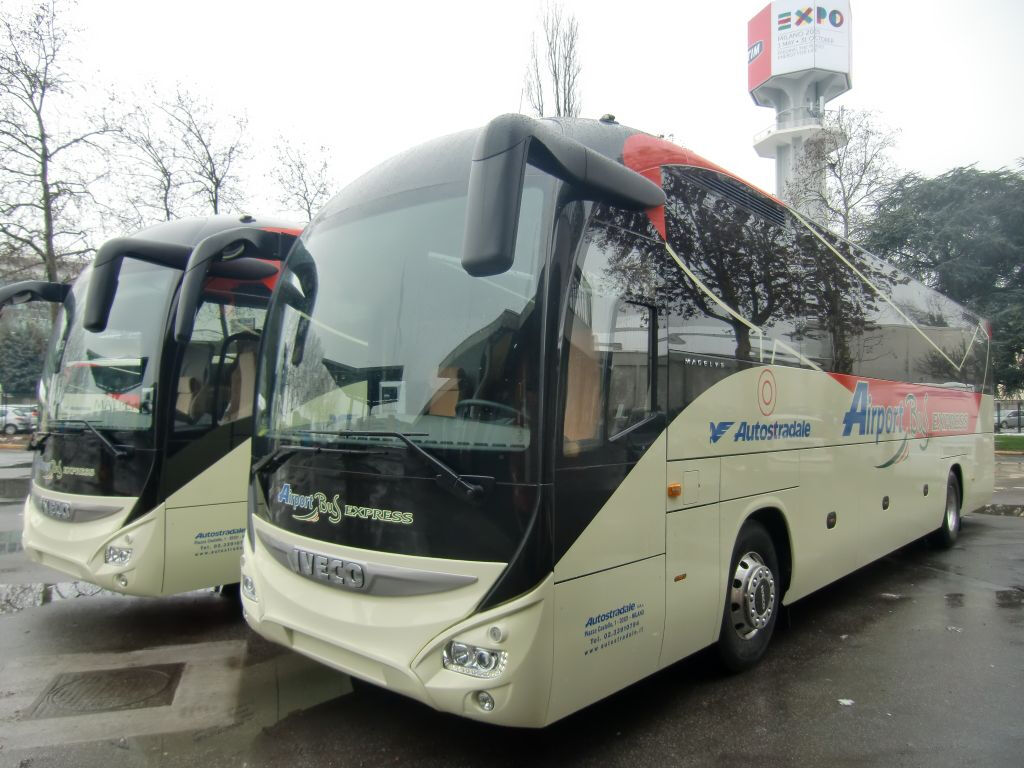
754,51
331,570
58,510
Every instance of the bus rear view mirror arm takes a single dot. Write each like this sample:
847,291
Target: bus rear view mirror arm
233,252
33,290
106,268
503,149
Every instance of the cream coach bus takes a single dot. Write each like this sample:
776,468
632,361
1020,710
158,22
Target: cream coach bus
139,480
547,406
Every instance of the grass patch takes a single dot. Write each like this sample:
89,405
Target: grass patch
1010,442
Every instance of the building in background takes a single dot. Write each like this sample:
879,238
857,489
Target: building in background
798,59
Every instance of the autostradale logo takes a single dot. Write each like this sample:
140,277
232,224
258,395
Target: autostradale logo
760,431
719,429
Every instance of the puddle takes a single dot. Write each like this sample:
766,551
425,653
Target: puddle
107,690
1010,598
955,599
1004,510
18,597
169,700
892,597
10,542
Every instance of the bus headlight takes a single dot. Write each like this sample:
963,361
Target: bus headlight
117,555
473,660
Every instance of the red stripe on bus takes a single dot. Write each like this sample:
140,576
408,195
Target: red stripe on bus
283,230
937,403
645,154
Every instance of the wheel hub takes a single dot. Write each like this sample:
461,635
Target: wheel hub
752,595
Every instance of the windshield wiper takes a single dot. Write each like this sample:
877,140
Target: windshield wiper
449,479
282,453
119,453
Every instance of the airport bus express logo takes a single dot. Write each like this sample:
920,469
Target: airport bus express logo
907,417
54,471
310,507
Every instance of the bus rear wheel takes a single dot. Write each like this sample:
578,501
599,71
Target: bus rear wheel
945,537
752,599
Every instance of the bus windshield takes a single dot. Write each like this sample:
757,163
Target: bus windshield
377,328
108,378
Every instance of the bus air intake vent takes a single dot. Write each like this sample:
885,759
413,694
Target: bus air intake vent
744,197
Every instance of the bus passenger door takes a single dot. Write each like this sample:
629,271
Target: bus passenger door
609,483
206,471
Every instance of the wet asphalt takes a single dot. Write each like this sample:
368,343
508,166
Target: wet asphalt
915,660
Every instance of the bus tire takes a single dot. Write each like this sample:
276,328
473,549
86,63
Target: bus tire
752,599
946,535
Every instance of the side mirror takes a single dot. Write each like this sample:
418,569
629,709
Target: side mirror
106,268
502,151
33,290
231,253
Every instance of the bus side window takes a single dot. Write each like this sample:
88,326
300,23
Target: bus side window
611,322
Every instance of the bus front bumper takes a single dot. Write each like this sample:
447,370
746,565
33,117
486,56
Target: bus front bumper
367,638
97,547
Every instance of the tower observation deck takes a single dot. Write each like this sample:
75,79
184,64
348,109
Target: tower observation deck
798,58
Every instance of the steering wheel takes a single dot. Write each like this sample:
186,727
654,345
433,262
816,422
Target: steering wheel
511,415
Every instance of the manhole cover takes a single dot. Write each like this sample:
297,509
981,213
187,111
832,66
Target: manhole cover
107,690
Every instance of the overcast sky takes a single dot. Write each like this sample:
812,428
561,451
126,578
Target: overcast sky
370,79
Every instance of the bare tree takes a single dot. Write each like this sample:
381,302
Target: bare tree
555,70
157,186
303,178
45,162
210,151
844,171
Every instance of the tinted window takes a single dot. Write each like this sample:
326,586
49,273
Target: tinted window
216,375
611,386
887,325
746,295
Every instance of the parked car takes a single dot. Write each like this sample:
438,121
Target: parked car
30,412
1007,419
15,420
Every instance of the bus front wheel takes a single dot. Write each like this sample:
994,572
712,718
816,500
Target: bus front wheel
945,536
752,599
